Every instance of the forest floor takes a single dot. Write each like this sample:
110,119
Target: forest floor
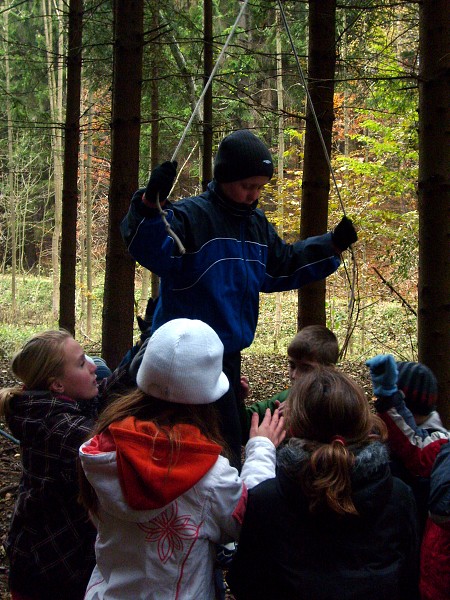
267,376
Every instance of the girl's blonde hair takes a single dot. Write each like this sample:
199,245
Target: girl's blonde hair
331,415
37,364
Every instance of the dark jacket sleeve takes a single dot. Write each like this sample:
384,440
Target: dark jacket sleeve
146,237
263,405
416,448
291,266
439,498
245,575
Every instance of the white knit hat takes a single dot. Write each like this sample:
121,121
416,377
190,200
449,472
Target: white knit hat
183,363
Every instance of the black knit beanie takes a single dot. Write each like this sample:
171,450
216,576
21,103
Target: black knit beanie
419,385
240,155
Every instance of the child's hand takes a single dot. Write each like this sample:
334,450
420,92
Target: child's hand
245,387
344,234
272,427
384,374
281,407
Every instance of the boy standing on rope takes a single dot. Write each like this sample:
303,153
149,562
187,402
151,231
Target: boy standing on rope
232,254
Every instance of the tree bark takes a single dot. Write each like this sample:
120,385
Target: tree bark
208,97
89,201
70,173
316,172
280,170
154,150
11,187
56,73
434,196
118,302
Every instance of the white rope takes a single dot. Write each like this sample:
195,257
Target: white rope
351,280
208,83
188,126
311,105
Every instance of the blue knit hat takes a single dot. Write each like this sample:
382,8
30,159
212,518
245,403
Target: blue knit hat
241,155
419,385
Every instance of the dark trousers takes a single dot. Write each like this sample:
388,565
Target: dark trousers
231,407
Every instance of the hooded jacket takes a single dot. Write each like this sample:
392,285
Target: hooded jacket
232,254
416,447
435,550
425,451
163,507
327,556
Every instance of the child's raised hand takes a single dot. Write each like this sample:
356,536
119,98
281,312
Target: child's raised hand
281,407
245,387
272,427
384,374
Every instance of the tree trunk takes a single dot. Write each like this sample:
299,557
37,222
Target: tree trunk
82,228
208,97
118,301
154,151
55,70
11,186
434,197
188,80
316,172
89,257
280,171
70,176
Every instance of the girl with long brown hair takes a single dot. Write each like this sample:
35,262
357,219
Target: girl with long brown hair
334,523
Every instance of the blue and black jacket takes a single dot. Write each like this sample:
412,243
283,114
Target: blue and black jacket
232,254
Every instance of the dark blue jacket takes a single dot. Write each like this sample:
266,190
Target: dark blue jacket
232,254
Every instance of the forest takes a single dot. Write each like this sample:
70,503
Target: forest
352,98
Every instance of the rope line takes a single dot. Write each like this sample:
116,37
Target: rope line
351,280
162,212
208,83
310,102
316,121
8,436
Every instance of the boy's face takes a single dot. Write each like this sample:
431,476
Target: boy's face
244,191
298,367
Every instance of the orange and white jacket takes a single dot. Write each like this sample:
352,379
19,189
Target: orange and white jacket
163,508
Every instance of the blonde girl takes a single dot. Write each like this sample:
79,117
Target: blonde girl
50,544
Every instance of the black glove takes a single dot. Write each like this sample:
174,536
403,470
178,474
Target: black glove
344,234
161,181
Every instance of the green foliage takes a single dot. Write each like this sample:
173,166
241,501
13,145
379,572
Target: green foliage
382,326
34,311
13,338
33,297
374,154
